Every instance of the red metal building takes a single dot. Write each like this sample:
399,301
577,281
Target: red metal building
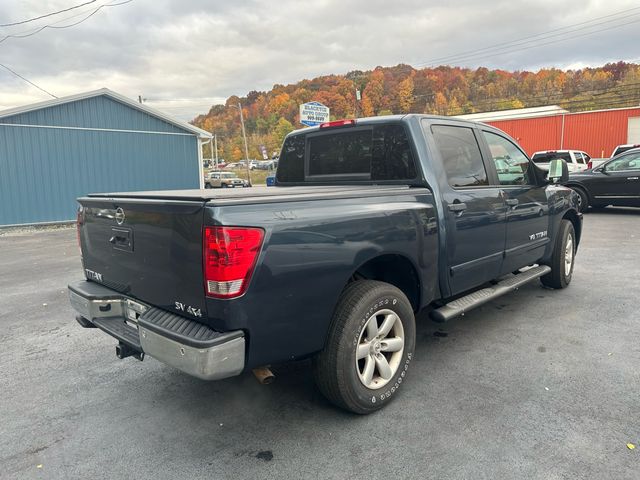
596,132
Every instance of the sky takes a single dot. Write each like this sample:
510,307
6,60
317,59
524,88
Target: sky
183,56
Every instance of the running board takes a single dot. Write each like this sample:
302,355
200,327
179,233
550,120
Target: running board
480,297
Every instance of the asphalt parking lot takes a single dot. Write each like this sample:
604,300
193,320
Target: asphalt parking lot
539,384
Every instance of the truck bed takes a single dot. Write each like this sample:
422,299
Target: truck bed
229,196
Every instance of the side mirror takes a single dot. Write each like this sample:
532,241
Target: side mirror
558,171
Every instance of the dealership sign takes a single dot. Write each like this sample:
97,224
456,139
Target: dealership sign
313,113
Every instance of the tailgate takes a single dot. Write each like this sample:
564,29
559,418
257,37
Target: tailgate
145,248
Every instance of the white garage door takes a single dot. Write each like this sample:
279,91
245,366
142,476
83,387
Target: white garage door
633,130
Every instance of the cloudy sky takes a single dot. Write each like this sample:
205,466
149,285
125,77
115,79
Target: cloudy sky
185,55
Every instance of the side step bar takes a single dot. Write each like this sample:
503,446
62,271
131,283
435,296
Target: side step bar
480,297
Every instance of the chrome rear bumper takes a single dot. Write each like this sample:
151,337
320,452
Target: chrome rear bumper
205,354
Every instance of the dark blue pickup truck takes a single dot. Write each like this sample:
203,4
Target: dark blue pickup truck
371,221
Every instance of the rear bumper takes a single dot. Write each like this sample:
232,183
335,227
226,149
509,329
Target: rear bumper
190,346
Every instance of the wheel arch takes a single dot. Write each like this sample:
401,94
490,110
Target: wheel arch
573,217
395,269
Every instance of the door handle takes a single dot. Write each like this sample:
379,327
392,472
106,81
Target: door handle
632,178
511,202
457,207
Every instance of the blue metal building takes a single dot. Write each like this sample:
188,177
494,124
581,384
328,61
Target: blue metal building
53,152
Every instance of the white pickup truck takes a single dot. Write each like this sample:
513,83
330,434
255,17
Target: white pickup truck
577,160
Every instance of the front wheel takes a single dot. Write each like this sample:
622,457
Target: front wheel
369,348
563,257
583,199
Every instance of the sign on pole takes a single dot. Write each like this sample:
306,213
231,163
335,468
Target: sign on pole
313,113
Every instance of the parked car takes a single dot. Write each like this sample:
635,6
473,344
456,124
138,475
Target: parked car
252,164
224,180
372,221
577,160
232,166
616,182
266,165
623,148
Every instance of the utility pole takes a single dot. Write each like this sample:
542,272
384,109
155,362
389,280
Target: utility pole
215,141
246,148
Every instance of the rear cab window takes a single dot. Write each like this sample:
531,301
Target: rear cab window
354,154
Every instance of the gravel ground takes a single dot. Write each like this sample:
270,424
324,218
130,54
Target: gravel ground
539,384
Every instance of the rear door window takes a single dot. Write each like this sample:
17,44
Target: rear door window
461,157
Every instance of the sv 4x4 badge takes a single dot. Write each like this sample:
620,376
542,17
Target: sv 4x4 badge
196,312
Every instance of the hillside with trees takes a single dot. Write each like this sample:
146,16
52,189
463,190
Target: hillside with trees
444,90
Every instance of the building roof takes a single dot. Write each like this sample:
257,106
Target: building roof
515,113
115,96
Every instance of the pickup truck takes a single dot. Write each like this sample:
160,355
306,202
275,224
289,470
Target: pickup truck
371,221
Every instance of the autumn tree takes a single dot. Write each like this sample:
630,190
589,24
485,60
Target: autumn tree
443,90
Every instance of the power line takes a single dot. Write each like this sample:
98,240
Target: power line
46,15
616,89
594,92
38,30
27,80
621,102
564,30
537,45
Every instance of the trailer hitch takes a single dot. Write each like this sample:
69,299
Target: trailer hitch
123,351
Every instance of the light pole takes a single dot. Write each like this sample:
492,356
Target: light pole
215,139
244,136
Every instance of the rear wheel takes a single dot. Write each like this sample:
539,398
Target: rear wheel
207,185
369,348
563,257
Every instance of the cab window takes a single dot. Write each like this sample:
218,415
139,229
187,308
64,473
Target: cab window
461,156
512,165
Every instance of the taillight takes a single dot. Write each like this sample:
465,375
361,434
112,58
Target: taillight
589,165
338,123
230,255
79,222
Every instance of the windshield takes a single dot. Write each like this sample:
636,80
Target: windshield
546,157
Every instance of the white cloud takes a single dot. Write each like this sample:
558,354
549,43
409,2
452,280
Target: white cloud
186,55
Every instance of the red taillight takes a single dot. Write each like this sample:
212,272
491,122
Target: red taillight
338,123
230,254
589,165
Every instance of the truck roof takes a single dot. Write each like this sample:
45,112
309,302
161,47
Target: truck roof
392,119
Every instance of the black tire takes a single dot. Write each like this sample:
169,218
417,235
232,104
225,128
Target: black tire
207,185
559,277
336,370
224,185
583,199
